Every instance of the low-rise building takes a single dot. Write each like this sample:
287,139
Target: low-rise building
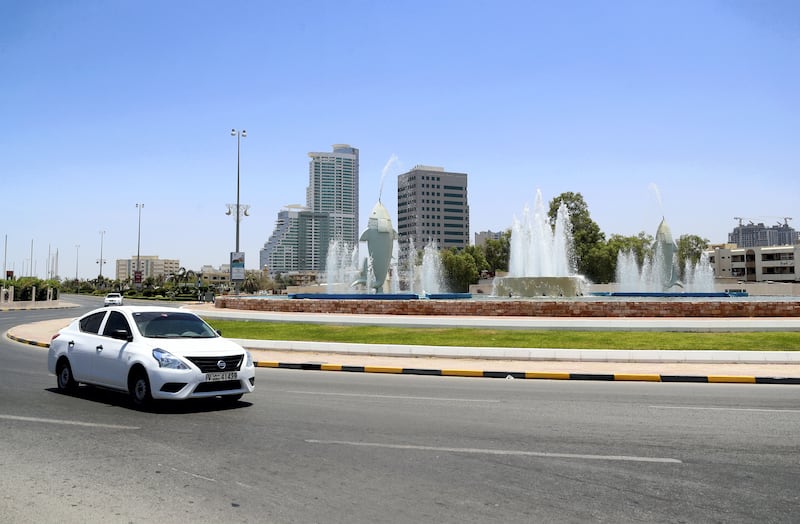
756,264
215,277
150,266
483,236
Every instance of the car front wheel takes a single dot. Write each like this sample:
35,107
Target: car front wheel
139,389
65,380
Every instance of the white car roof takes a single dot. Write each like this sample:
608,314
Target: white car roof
142,309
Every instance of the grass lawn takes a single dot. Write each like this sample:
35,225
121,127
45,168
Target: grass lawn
475,337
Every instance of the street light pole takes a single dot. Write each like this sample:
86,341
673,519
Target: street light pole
137,273
237,265
239,135
101,261
77,285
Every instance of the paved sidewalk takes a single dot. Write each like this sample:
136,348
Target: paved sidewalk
694,366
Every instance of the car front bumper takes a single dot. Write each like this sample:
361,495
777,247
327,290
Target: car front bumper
170,384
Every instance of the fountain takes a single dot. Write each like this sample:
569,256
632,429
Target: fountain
423,276
541,261
345,273
348,276
342,268
659,272
541,265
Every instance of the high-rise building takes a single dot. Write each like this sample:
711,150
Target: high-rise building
759,235
333,189
279,254
301,236
432,206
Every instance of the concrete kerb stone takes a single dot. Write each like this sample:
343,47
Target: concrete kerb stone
526,354
360,355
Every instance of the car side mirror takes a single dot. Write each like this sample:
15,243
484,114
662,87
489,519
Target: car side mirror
122,334
219,332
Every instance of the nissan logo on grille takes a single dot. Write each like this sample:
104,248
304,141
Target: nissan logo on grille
221,364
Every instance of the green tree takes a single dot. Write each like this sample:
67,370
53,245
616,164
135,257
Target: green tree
478,256
604,259
641,245
586,233
460,270
24,288
496,252
690,247
259,280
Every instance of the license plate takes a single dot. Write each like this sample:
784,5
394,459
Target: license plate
222,375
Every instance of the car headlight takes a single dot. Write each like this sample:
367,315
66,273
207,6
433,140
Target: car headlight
248,359
168,360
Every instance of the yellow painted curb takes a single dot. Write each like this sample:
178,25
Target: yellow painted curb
641,377
547,375
382,369
461,373
732,378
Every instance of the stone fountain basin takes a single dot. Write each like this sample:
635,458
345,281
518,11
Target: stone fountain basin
526,287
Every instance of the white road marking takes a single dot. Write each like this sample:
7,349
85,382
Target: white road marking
701,408
403,397
195,475
509,452
66,422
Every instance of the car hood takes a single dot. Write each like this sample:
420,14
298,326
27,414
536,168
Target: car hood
198,346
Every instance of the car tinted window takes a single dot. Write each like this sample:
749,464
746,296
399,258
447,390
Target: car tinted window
161,324
91,323
116,320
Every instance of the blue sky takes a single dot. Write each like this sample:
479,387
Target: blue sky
106,104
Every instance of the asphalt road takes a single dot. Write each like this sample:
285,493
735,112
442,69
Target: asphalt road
328,447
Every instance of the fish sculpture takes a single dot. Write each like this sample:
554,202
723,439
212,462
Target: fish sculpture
665,249
379,237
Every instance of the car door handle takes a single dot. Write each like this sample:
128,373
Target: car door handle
99,348
71,344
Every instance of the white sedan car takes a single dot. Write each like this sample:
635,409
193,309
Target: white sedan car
113,299
150,353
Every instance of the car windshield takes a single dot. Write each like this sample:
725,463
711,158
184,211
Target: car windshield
162,324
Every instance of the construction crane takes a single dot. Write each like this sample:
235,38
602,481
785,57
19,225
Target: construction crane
750,220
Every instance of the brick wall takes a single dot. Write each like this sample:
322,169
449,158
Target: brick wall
526,308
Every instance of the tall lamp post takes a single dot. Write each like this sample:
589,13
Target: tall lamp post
101,260
238,210
77,284
137,275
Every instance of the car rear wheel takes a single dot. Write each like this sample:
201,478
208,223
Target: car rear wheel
64,379
139,389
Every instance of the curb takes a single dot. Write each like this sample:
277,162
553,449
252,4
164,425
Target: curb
527,375
534,375
531,354
36,308
29,342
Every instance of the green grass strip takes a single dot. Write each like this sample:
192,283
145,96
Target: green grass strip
475,337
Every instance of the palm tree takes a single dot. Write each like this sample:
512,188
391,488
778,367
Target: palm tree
251,282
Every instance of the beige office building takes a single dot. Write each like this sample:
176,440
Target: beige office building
151,266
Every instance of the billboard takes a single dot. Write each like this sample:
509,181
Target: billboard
237,267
